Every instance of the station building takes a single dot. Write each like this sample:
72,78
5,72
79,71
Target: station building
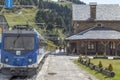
96,29
100,40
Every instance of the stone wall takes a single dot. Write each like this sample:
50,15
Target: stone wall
83,25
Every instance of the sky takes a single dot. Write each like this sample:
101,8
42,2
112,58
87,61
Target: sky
101,1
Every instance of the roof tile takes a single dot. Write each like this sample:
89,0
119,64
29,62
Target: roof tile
96,33
103,12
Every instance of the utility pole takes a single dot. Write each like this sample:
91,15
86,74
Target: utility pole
3,24
3,1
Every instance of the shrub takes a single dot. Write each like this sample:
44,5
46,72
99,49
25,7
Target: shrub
100,64
110,68
96,55
104,54
106,68
80,57
89,60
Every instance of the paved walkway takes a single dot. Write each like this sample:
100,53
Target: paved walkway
61,67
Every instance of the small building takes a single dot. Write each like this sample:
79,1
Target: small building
101,40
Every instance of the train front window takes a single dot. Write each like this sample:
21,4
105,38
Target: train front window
19,43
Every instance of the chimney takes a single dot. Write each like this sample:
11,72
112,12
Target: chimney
93,10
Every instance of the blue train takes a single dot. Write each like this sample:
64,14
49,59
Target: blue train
21,51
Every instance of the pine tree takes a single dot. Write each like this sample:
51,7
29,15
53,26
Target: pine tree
100,64
110,68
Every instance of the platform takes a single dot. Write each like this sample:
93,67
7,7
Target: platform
61,67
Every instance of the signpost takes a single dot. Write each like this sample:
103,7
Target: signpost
8,4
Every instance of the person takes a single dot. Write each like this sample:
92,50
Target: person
60,48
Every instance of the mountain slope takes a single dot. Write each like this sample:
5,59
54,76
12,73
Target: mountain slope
57,17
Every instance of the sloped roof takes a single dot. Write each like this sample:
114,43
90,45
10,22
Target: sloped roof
103,12
96,33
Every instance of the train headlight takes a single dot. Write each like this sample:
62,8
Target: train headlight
6,60
30,59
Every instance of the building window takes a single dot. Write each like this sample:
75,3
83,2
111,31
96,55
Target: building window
77,24
99,25
91,46
112,45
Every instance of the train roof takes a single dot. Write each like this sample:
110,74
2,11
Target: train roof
34,31
23,29
18,31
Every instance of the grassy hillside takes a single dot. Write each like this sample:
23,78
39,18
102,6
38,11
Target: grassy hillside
26,16
23,17
56,16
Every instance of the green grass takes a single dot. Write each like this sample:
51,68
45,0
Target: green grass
26,15
105,62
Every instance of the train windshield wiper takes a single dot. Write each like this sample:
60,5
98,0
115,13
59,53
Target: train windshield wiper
14,42
23,42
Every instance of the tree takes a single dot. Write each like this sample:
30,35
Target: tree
100,64
54,16
77,1
2,2
41,4
50,26
110,68
26,2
